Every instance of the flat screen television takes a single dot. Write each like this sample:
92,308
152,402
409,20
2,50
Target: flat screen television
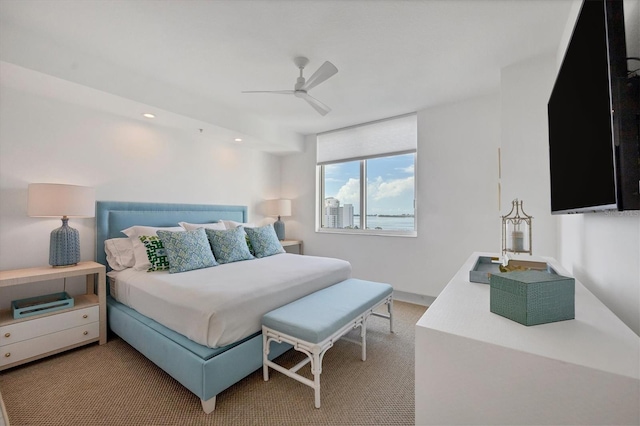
593,117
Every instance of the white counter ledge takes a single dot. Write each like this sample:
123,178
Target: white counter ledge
476,367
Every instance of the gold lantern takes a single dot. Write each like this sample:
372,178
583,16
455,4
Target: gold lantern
516,230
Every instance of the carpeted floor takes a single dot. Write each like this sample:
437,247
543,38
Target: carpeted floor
114,385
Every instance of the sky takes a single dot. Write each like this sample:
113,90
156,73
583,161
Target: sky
390,184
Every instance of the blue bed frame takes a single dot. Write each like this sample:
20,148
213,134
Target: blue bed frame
204,371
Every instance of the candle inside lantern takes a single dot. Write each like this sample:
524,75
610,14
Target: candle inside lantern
517,241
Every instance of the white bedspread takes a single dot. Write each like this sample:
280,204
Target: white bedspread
223,304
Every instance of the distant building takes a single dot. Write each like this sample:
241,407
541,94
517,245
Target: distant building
336,216
347,216
332,216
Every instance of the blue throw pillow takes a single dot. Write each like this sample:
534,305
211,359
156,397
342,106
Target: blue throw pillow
187,250
264,241
229,245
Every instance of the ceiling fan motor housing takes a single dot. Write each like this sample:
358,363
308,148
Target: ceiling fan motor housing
301,61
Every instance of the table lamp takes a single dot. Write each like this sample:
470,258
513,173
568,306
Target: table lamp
279,208
57,200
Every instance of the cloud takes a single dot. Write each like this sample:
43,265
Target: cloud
349,193
379,189
408,169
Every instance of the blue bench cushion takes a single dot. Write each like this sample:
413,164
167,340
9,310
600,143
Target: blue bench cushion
317,316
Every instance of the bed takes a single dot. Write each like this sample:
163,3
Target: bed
198,363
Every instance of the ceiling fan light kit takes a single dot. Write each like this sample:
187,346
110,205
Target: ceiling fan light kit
302,86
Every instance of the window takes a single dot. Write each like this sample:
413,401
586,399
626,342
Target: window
366,178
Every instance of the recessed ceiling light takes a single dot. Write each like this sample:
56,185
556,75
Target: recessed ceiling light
238,139
148,115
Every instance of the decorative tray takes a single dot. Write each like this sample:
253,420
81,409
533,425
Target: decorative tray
41,304
485,266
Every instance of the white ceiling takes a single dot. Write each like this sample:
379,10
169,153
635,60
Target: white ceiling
193,58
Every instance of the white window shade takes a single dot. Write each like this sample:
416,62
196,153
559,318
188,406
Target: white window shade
398,135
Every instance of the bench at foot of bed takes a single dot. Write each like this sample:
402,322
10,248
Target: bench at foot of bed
313,323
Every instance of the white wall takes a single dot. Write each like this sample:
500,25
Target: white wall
45,140
457,175
602,250
524,93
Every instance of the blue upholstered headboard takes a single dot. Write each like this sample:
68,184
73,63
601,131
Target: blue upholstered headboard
114,216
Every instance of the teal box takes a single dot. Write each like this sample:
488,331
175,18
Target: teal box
532,297
41,304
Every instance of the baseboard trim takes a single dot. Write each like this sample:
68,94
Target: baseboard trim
417,299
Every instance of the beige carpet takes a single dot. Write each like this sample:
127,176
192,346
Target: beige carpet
114,385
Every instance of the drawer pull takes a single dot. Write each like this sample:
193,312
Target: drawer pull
85,316
7,355
85,333
7,334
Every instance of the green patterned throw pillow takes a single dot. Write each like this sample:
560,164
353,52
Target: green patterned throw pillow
264,241
229,245
187,250
155,252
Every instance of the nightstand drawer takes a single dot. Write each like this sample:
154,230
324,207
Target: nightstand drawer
33,328
16,352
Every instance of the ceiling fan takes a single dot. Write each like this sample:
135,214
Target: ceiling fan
302,86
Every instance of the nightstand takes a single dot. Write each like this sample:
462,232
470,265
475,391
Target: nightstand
290,243
27,339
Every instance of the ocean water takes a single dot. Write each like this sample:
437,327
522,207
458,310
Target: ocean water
391,223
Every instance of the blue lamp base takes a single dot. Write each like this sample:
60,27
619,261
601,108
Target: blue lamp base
64,246
278,225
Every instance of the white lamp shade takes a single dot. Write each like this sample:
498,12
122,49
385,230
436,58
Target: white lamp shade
57,200
279,207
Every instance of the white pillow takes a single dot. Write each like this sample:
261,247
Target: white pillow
192,226
231,224
119,253
139,250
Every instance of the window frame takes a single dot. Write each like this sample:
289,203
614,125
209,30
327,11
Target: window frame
320,198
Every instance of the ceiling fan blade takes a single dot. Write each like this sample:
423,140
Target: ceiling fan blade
325,71
277,92
316,104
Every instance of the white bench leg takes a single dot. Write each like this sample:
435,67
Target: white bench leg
390,311
316,369
209,405
265,357
363,335
389,314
